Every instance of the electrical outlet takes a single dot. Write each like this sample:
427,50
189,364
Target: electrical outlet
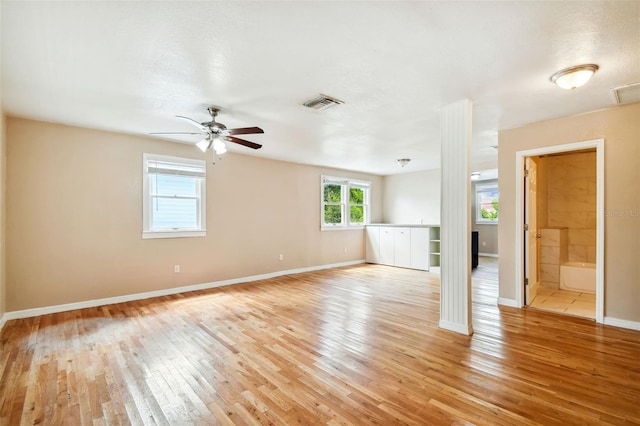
345,250
282,257
176,268
484,243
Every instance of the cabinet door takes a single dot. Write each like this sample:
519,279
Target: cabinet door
386,245
373,244
402,247
420,248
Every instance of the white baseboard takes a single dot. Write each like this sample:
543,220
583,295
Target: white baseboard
26,313
458,328
487,255
616,322
507,302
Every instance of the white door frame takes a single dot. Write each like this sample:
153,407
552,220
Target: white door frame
598,144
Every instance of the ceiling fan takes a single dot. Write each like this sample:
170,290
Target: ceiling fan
216,133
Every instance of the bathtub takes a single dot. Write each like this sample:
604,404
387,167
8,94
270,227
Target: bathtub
578,276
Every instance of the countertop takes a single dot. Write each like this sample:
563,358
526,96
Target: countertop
401,225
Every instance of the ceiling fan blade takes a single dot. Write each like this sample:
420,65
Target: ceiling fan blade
194,122
243,142
178,133
245,131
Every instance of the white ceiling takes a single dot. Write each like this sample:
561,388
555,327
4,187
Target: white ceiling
132,66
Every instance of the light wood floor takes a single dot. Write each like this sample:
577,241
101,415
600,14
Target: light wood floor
357,345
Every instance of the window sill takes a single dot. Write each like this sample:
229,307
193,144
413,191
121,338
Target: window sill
487,222
341,228
146,235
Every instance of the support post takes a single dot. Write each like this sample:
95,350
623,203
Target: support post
455,222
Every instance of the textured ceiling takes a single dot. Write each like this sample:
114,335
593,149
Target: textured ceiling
132,66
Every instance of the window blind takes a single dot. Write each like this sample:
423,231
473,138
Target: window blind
172,169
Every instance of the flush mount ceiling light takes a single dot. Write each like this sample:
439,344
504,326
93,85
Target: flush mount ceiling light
475,175
574,77
403,161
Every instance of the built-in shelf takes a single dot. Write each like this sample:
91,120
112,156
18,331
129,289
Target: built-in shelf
434,248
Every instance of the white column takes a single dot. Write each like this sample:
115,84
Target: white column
455,222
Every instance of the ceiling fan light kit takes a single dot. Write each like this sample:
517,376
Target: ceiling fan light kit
217,133
204,144
219,147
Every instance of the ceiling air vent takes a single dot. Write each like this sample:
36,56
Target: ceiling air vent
626,94
322,102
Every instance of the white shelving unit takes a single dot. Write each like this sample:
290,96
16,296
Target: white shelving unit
434,248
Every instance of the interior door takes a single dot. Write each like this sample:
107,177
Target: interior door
531,231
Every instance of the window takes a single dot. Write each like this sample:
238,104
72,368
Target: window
487,198
345,203
174,203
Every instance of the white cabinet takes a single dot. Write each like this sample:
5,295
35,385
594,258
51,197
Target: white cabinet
373,244
386,246
403,246
420,248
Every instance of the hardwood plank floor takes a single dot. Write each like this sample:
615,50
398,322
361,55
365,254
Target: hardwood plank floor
356,345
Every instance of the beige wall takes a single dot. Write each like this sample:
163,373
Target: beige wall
487,234
74,218
2,215
411,198
2,198
620,129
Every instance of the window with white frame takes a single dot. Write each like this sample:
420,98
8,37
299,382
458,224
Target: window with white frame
345,203
487,202
174,202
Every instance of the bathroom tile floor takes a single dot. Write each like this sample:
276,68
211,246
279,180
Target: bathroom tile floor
565,302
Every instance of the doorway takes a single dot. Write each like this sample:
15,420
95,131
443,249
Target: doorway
543,242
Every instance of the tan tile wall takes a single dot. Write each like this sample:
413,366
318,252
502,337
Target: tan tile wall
571,189
553,252
543,197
